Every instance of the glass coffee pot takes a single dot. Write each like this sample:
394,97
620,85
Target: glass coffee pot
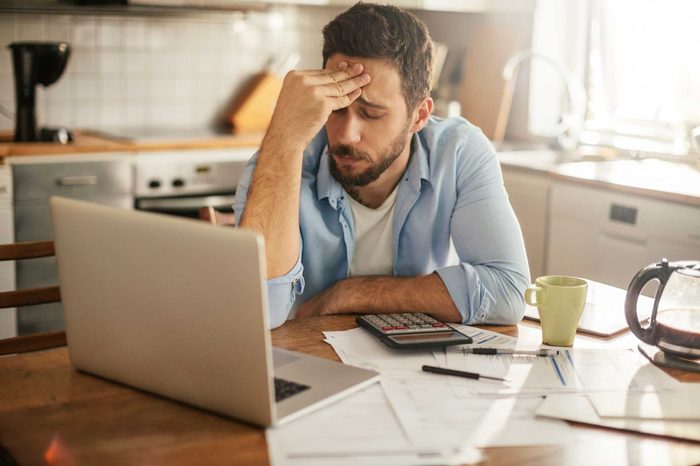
674,326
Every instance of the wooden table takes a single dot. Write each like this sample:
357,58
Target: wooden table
52,414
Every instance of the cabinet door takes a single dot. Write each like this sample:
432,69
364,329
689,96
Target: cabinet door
608,236
529,195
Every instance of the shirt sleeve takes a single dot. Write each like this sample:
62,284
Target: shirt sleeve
283,290
487,285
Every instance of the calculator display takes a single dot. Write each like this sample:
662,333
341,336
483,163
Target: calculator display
425,336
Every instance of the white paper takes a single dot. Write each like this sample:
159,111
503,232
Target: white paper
570,371
674,404
360,348
428,409
426,404
578,408
358,430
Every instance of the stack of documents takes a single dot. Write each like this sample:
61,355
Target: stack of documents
416,418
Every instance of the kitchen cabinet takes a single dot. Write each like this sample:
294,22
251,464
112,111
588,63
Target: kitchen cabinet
100,178
8,317
528,192
609,235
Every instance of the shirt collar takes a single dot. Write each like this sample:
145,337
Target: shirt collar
417,170
326,185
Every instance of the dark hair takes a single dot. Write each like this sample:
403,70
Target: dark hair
386,32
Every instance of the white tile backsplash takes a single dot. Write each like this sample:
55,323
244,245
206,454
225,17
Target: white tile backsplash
127,71
109,32
82,60
110,89
58,28
84,87
29,28
110,62
59,113
7,124
83,31
60,90
7,29
87,113
7,89
134,34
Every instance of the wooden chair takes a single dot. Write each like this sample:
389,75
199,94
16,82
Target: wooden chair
27,297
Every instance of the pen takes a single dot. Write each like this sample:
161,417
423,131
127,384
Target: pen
468,375
539,352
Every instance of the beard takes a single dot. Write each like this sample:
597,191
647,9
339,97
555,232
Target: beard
374,171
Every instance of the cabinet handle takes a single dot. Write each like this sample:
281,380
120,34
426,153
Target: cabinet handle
623,214
84,180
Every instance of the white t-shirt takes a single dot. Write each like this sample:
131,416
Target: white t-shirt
373,248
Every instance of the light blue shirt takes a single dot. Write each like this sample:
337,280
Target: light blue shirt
451,191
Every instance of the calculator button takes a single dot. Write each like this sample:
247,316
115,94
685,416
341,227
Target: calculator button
438,324
387,327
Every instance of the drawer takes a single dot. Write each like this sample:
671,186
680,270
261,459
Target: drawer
79,180
626,216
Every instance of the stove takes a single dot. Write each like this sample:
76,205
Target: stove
150,134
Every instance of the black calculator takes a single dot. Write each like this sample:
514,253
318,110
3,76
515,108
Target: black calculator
411,330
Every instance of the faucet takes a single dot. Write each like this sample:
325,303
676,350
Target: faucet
565,134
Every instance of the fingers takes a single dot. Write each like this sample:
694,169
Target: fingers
341,88
344,100
325,77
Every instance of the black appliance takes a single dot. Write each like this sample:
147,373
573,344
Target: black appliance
36,63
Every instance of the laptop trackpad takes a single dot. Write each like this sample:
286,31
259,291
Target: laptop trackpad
282,358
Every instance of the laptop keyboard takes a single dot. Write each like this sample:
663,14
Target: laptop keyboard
285,389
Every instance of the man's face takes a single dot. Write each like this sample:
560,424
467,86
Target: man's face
365,138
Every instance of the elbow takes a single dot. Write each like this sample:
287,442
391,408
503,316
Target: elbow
507,299
513,305
513,311
277,323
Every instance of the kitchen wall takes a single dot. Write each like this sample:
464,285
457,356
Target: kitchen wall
183,69
176,70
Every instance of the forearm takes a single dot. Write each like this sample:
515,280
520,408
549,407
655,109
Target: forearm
272,207
385,294
306,100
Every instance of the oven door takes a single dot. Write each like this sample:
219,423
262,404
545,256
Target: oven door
186,206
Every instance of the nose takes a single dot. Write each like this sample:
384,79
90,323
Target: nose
349,129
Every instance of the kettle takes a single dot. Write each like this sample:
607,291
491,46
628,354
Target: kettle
674,326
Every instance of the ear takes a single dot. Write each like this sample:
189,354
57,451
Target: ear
421,114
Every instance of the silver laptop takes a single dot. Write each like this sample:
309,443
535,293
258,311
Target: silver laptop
178,307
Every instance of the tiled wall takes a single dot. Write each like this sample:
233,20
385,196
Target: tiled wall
167,70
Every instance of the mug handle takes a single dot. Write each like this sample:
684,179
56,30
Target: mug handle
660,271
538,293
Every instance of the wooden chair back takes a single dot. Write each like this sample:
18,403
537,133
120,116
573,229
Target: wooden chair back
27,297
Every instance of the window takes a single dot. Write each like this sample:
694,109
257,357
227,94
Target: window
639,62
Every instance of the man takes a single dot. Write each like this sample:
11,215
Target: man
360,194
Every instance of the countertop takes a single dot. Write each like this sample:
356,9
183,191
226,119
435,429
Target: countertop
670,181
86,141
675,182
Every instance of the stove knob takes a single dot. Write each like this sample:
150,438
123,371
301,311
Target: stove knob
154,184
178,183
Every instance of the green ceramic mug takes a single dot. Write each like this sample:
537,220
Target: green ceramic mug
560,301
